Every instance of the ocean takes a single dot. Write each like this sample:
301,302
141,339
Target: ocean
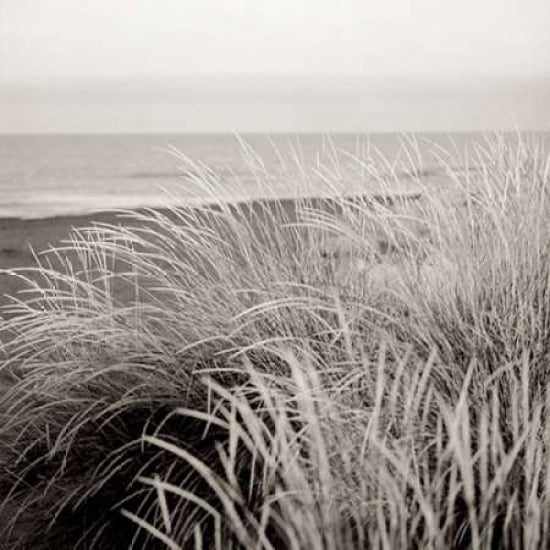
54,175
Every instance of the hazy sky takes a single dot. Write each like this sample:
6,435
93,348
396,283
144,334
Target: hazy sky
207,65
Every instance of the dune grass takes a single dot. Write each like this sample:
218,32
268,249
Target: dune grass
358,372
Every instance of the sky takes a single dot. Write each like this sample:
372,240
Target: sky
282,65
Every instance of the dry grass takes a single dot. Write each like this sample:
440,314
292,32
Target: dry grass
360,373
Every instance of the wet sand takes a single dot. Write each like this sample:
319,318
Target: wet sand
18,237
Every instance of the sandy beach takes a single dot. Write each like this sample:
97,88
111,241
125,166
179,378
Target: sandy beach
20,237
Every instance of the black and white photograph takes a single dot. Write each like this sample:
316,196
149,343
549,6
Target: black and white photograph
274,275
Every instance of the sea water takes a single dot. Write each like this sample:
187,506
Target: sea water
56,175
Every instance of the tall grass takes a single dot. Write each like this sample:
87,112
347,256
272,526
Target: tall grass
348,372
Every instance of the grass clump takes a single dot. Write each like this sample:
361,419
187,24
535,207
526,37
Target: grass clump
343,372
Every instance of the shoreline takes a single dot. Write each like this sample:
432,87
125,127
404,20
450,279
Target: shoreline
19,237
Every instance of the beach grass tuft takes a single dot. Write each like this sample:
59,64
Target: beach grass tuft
365,371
